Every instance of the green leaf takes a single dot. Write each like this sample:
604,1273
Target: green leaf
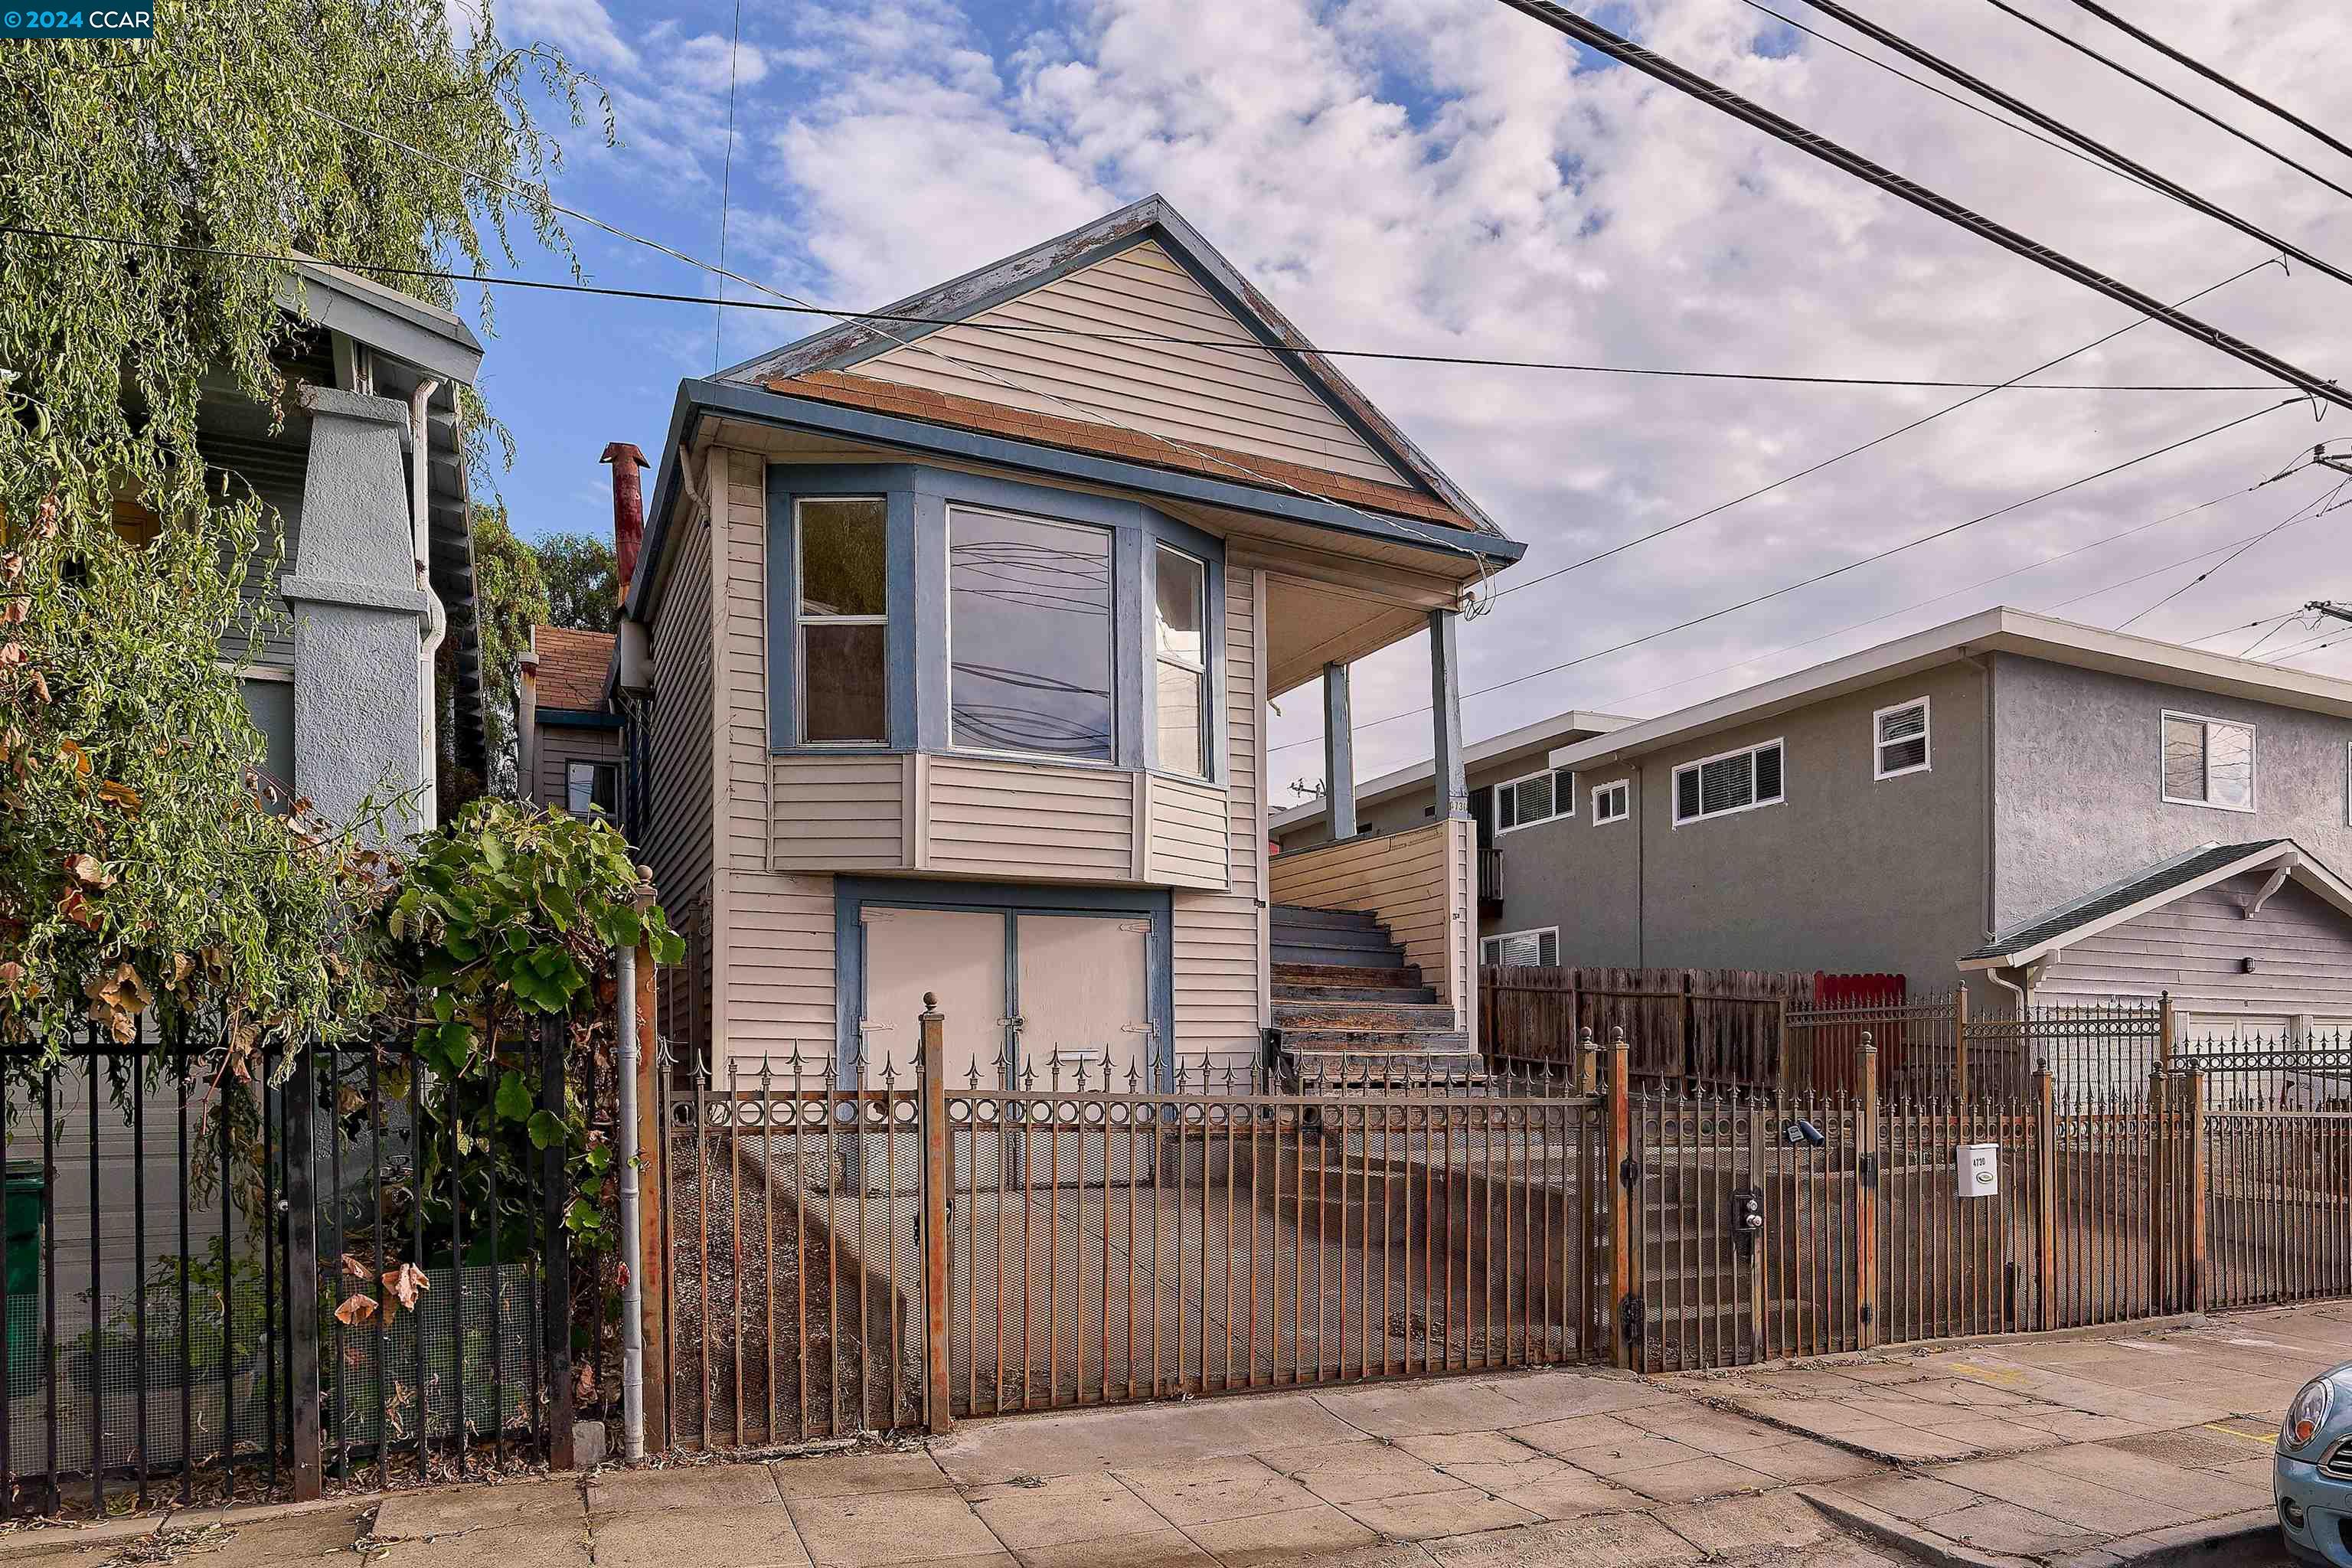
547,1129
514,1099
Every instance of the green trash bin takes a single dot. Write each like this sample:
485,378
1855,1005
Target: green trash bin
27,1214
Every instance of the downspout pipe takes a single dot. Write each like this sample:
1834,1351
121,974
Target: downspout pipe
437,614
632,1295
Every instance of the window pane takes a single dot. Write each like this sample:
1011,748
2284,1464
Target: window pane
1687,794
844,683
1727,784
1182,742
2184,759
1029,607
1177,619
1767,774
591,787
1563,792
1534,798
844,554
2229,764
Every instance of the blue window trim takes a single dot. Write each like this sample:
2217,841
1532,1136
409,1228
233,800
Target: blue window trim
852,895
919,498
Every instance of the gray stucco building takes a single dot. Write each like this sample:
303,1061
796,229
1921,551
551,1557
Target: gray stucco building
1920,804
364,467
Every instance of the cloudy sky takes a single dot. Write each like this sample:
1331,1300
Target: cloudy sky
1446,176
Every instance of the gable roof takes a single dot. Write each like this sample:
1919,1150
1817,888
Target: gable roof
1558,728
572,665
1998,630
844,362
2045,934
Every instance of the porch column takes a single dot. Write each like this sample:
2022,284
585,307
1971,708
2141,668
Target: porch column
1445,709
1338,753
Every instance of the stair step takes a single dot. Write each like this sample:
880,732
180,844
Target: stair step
1287,973
1324,1014
1377,1042
1333,937
1383,957
1338,920
1387,995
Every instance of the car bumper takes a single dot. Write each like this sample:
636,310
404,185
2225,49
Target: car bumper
2325,1538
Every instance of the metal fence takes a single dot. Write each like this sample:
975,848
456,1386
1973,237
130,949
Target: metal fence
230,1276
866,1251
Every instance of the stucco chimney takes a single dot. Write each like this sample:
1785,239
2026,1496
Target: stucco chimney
628,511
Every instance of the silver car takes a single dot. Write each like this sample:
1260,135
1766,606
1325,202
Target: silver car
2312,1477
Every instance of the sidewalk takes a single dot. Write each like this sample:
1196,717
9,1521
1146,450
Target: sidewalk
2137,1445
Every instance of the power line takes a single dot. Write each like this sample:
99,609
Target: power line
2160,47
1560,19
1836,571
1866,446
2296,516
2019,106
2163,91
1029,330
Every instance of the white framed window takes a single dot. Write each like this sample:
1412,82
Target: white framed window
1611,801
1533,949
1899,739
842,620
1538,797
1179,648
1029,635
1731,782
2208,761
591,788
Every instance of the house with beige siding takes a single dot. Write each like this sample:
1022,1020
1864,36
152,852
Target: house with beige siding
568,734
952,638
2050,814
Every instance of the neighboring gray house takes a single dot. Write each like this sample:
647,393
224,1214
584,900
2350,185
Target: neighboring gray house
1516,764
366,472
2008,799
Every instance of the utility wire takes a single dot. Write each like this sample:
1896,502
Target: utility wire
2100,164
2210,74
2163,91
1030,329
2322,506
2056,127
1593,36
1866,446
1824,577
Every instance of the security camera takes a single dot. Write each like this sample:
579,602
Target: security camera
1804,1132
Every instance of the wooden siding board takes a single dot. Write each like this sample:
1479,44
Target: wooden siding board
1218,946
2301,946
1181,396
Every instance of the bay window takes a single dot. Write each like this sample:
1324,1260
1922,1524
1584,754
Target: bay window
1030,619
1181,652
843,620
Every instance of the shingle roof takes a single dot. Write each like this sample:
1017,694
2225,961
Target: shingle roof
572,666
2178,872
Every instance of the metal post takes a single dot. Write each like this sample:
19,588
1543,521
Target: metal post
2160,1193
1588,1063
1785,1069
937,1171
2045,1194
1623,1275
301,1099
1865,1196
2201,1170
633,1296
1338,753
555,1309
1960,1042
653,1160
2164,1030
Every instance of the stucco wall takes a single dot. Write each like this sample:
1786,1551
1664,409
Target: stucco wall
2078,799
1850,873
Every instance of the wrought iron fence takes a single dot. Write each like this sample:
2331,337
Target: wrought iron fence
232,1274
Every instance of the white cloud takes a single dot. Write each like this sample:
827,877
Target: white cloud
1444,176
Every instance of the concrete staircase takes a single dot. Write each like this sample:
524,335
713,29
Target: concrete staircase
1349,1007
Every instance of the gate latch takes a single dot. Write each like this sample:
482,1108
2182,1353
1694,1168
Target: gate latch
1747,1219
1630,1314
1867,1170
1629,1174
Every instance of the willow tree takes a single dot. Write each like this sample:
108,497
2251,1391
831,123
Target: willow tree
144,190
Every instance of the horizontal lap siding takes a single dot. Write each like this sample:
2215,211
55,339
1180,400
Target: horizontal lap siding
2195,946
777,983
678,835
1188,844
1218,948
1023,821
840,813
1240,399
